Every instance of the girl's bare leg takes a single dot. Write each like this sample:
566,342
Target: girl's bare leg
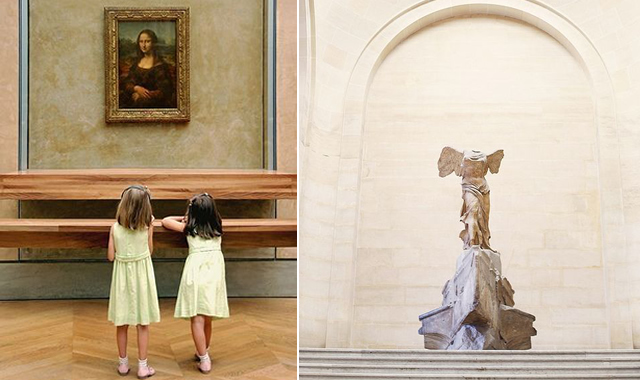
197,332
144,370
207,331
121,338
143,341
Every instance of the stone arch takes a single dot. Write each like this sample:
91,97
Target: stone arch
403,25
307,73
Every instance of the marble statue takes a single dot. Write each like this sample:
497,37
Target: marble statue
477,311
472,166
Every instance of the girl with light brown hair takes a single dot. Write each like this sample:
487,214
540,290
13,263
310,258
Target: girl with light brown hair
133,299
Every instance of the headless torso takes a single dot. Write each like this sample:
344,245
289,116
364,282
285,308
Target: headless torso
476,204
472,166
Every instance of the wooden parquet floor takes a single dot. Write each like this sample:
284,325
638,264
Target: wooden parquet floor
69,340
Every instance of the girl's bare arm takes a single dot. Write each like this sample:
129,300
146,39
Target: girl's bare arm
151,235
111,249
174,223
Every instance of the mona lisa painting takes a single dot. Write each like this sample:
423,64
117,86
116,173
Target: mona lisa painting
147,64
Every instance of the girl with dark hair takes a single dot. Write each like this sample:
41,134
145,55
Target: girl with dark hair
149,83
203,292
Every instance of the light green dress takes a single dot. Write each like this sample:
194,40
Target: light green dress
133,299
203,289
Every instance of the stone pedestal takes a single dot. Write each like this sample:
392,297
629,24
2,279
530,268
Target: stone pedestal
477,312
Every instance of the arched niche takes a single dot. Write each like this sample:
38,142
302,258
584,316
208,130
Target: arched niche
397,29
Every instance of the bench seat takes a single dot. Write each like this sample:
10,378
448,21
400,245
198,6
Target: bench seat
93,233
166,184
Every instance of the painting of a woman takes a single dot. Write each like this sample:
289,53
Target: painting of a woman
149,81
147,65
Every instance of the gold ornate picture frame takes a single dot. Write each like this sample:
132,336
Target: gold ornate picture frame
146,65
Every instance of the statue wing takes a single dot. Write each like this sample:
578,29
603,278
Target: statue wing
450,161
494,160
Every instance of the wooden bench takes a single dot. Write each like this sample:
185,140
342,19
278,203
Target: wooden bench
94,233
164,184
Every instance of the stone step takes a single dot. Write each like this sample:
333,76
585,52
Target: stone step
423,352
361,376
470,369
532,361
433,364
381,354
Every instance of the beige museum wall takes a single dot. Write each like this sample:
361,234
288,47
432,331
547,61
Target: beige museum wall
226,97
228,87
8,105
572,258
66,121
286,104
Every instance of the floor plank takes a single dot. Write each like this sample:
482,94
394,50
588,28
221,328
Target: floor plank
69,340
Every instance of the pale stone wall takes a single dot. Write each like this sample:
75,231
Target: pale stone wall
480,83
614,28
568,98
315,197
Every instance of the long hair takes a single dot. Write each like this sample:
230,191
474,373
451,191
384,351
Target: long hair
203,218
154,42
134,210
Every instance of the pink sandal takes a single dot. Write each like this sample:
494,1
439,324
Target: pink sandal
145,371
196,357
123,370
205,366
123,366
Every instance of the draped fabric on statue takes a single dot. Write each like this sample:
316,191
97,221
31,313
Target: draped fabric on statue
472,166
475,216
